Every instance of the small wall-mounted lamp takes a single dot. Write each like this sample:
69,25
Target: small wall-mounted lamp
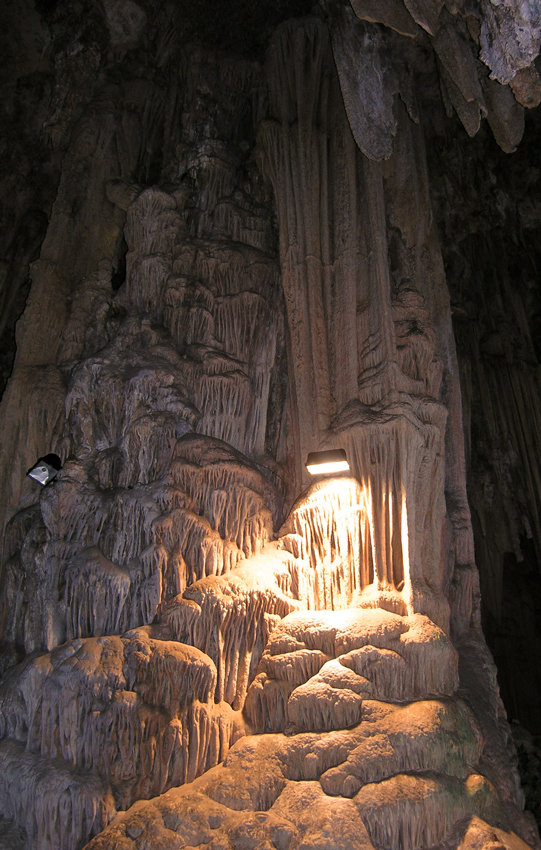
321,463
45,469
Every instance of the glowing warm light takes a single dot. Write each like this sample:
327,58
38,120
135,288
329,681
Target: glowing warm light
318,468
405,546
322,463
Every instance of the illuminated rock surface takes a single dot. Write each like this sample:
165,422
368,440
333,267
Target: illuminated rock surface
340,789
241,265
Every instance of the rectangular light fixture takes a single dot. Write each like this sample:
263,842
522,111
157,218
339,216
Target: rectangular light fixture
45,469
321,463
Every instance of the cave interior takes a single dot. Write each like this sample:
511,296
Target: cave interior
233,235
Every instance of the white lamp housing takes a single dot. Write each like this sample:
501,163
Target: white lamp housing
45,469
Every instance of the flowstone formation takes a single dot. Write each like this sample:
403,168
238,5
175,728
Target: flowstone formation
201,648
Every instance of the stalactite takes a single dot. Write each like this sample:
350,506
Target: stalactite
231,619
419,810
99,612
329,530
103,557
56,805
367,90
146,707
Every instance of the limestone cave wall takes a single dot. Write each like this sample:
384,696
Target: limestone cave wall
230,239
491,255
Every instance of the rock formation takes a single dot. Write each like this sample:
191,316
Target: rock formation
242,264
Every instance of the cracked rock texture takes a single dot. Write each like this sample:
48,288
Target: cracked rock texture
230,238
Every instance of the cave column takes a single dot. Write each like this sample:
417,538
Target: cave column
331,221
